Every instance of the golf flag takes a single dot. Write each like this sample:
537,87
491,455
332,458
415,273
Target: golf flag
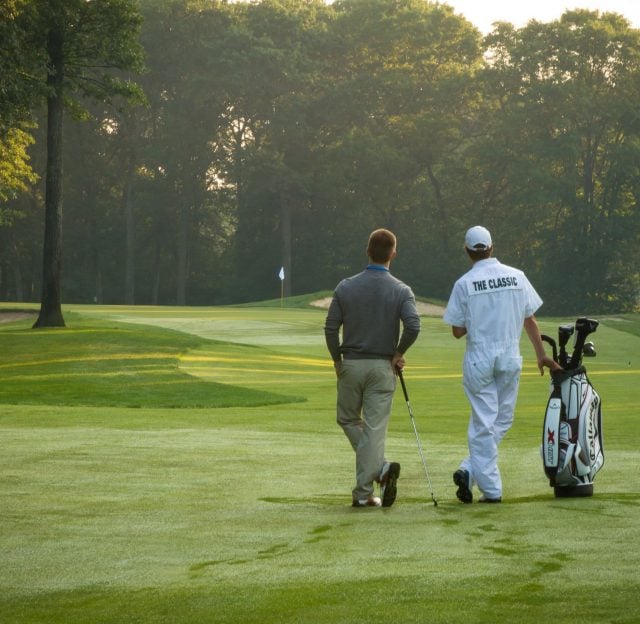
281,274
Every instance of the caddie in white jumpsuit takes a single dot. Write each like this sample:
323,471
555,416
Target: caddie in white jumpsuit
490,304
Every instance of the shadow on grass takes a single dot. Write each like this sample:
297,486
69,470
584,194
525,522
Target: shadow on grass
622,498
342,500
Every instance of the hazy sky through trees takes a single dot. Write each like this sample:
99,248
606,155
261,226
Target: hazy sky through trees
483,14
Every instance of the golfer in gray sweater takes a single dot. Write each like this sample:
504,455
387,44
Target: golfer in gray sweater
370,307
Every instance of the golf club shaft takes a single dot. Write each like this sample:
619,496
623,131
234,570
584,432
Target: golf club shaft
415,430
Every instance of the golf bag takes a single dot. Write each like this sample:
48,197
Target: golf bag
572,448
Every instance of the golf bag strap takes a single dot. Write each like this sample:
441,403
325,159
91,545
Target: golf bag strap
558,376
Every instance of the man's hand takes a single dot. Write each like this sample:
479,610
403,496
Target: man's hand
550,363
336,365
397,362
458,332
533,331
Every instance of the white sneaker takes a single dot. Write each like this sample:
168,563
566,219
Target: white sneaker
484,499
372,501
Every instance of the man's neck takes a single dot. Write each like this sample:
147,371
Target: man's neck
382,266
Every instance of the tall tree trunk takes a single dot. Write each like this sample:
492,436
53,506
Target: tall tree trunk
18,293
50,307
285,226
98,298
157,272
129,278
17,274
183,225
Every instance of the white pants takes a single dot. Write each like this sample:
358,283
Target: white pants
365,397
490,382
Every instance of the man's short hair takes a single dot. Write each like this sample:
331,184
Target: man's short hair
479,254
382,244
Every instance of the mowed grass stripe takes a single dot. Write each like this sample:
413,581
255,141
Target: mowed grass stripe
122,358
94,363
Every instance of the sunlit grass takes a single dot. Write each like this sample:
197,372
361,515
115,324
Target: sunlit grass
186,511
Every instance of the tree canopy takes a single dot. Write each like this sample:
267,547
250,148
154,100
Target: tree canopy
279,133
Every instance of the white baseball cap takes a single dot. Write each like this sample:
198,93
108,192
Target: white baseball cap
477,238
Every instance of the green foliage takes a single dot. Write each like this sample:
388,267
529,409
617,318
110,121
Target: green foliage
96,37
18,86
15,172
567,147
17,94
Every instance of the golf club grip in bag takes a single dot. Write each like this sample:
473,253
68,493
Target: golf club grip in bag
572,445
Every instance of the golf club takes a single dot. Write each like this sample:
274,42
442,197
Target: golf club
564,333
413,422
553,344
584,327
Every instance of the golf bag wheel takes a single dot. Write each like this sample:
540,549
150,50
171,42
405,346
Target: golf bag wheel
573,491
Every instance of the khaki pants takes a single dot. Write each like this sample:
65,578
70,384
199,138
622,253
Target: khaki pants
365,397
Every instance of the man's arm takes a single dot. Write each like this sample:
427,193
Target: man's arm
410,331
410,325
533,331
332,326
455,313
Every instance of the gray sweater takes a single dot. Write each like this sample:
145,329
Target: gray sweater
370,306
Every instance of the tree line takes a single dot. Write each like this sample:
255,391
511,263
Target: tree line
224,141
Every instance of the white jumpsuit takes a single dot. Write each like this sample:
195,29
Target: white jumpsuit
491,301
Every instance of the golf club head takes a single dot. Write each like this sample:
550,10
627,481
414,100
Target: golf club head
564,333
589,349
586,326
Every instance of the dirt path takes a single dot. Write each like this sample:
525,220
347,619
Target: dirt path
7,317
